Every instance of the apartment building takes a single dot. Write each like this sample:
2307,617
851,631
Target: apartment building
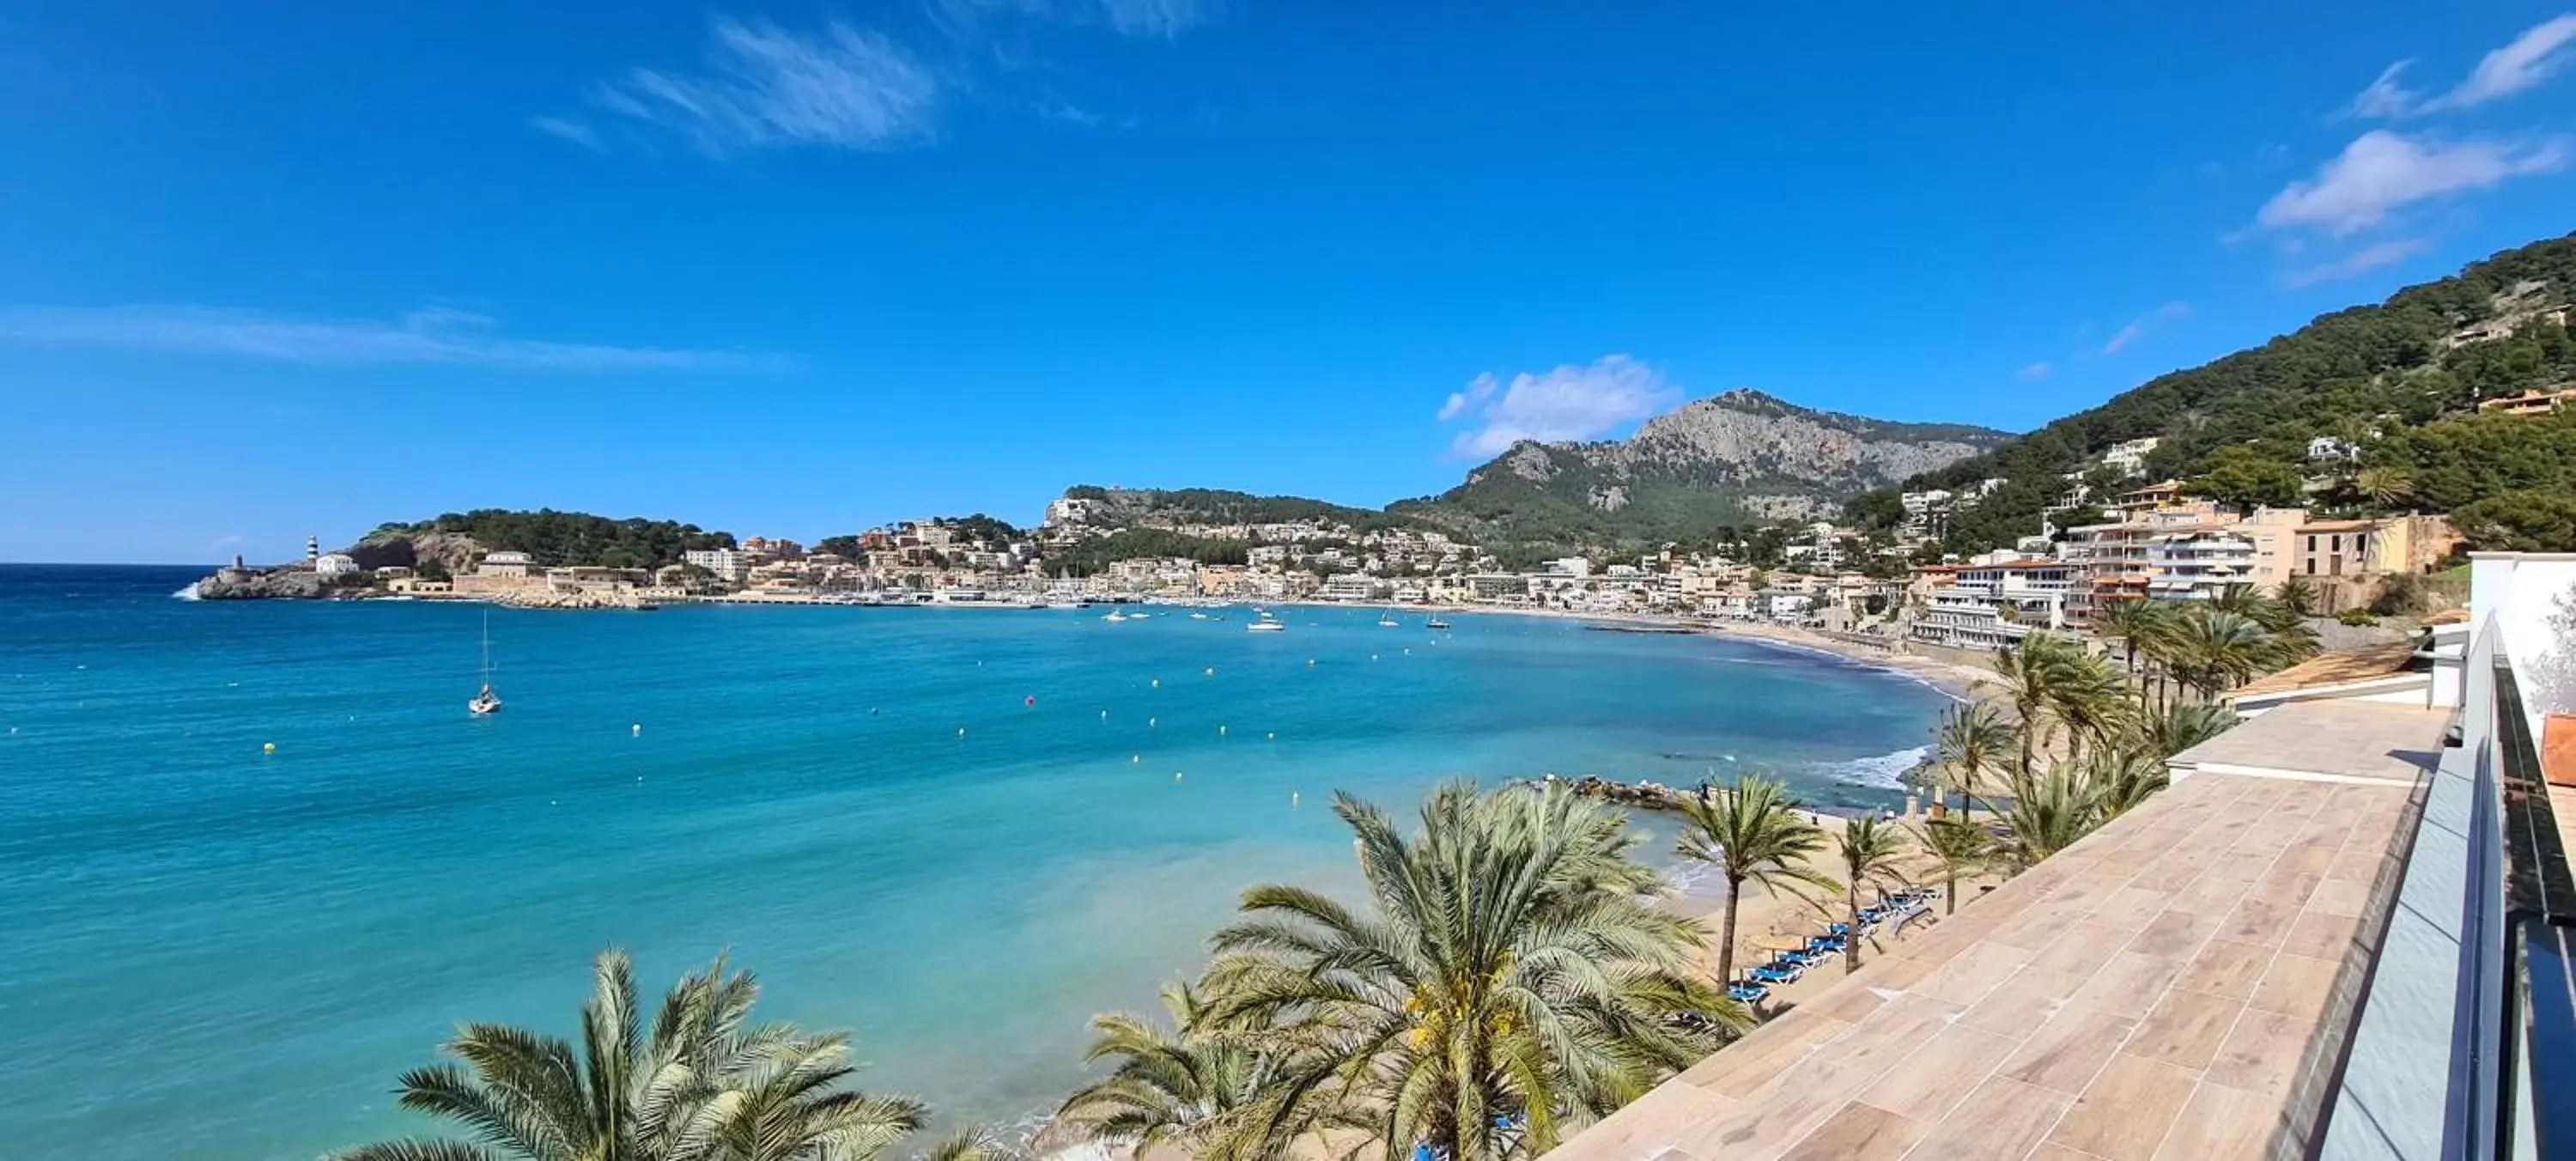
1985,606
2198,564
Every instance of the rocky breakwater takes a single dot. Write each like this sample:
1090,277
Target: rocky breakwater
534,597
1642,795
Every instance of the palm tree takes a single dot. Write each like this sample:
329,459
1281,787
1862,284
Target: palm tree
1871,855
2030,675
2298,596
2090,699
1752,833
2387,487
2182,727
1959,847
1511,972
2120,780
1971,744
2215,649
2049,812
702,1084
1196,1088
2133,623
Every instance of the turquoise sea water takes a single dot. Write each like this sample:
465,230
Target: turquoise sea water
207,952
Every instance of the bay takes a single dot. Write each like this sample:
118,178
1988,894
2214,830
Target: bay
956,832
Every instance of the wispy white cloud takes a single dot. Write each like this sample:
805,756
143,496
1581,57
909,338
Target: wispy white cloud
2139,327
2381,172
1163,19
2523,64
433,336
2386,96
1569,402
2361,261
2530,59
578,132
2039,370
767,87
1068,113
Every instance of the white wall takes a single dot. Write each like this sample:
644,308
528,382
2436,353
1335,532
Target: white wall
2530,598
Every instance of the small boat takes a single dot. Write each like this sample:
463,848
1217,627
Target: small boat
1386,620
1198,616
485,701
1265,623
1115,615
1435,623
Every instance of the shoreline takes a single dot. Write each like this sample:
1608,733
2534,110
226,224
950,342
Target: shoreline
1959,682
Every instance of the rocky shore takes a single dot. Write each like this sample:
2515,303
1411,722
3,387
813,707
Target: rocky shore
1643,795
240,584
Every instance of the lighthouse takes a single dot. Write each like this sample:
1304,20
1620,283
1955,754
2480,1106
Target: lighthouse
312,551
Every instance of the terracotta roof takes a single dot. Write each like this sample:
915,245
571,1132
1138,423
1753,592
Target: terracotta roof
2342,667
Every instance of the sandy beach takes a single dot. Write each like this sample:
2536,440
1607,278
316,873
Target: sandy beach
1763,917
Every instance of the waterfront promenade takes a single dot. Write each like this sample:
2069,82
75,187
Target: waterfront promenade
2176,985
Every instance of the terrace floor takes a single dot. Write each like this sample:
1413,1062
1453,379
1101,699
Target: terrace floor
2176,985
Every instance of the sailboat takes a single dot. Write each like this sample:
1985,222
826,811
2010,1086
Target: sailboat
1386,620
1435,623
485,701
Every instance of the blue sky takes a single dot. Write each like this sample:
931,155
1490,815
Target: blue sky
274,267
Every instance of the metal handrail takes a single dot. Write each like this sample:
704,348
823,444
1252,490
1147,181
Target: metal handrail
2536,1114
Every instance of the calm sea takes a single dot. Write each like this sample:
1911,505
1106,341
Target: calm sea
957,832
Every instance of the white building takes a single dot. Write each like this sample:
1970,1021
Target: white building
1350,586
335,564
2327,447
726,563
1573,566
1994,604
1927,514
2130,456
503,564
2199,564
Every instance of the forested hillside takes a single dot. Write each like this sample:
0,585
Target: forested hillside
567,538
1130,507
2399,381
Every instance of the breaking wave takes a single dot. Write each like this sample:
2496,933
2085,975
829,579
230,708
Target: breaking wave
1886,771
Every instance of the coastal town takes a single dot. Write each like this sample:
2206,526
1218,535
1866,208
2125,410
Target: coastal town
1892,589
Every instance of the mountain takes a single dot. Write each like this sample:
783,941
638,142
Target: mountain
2399,382
1741,457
